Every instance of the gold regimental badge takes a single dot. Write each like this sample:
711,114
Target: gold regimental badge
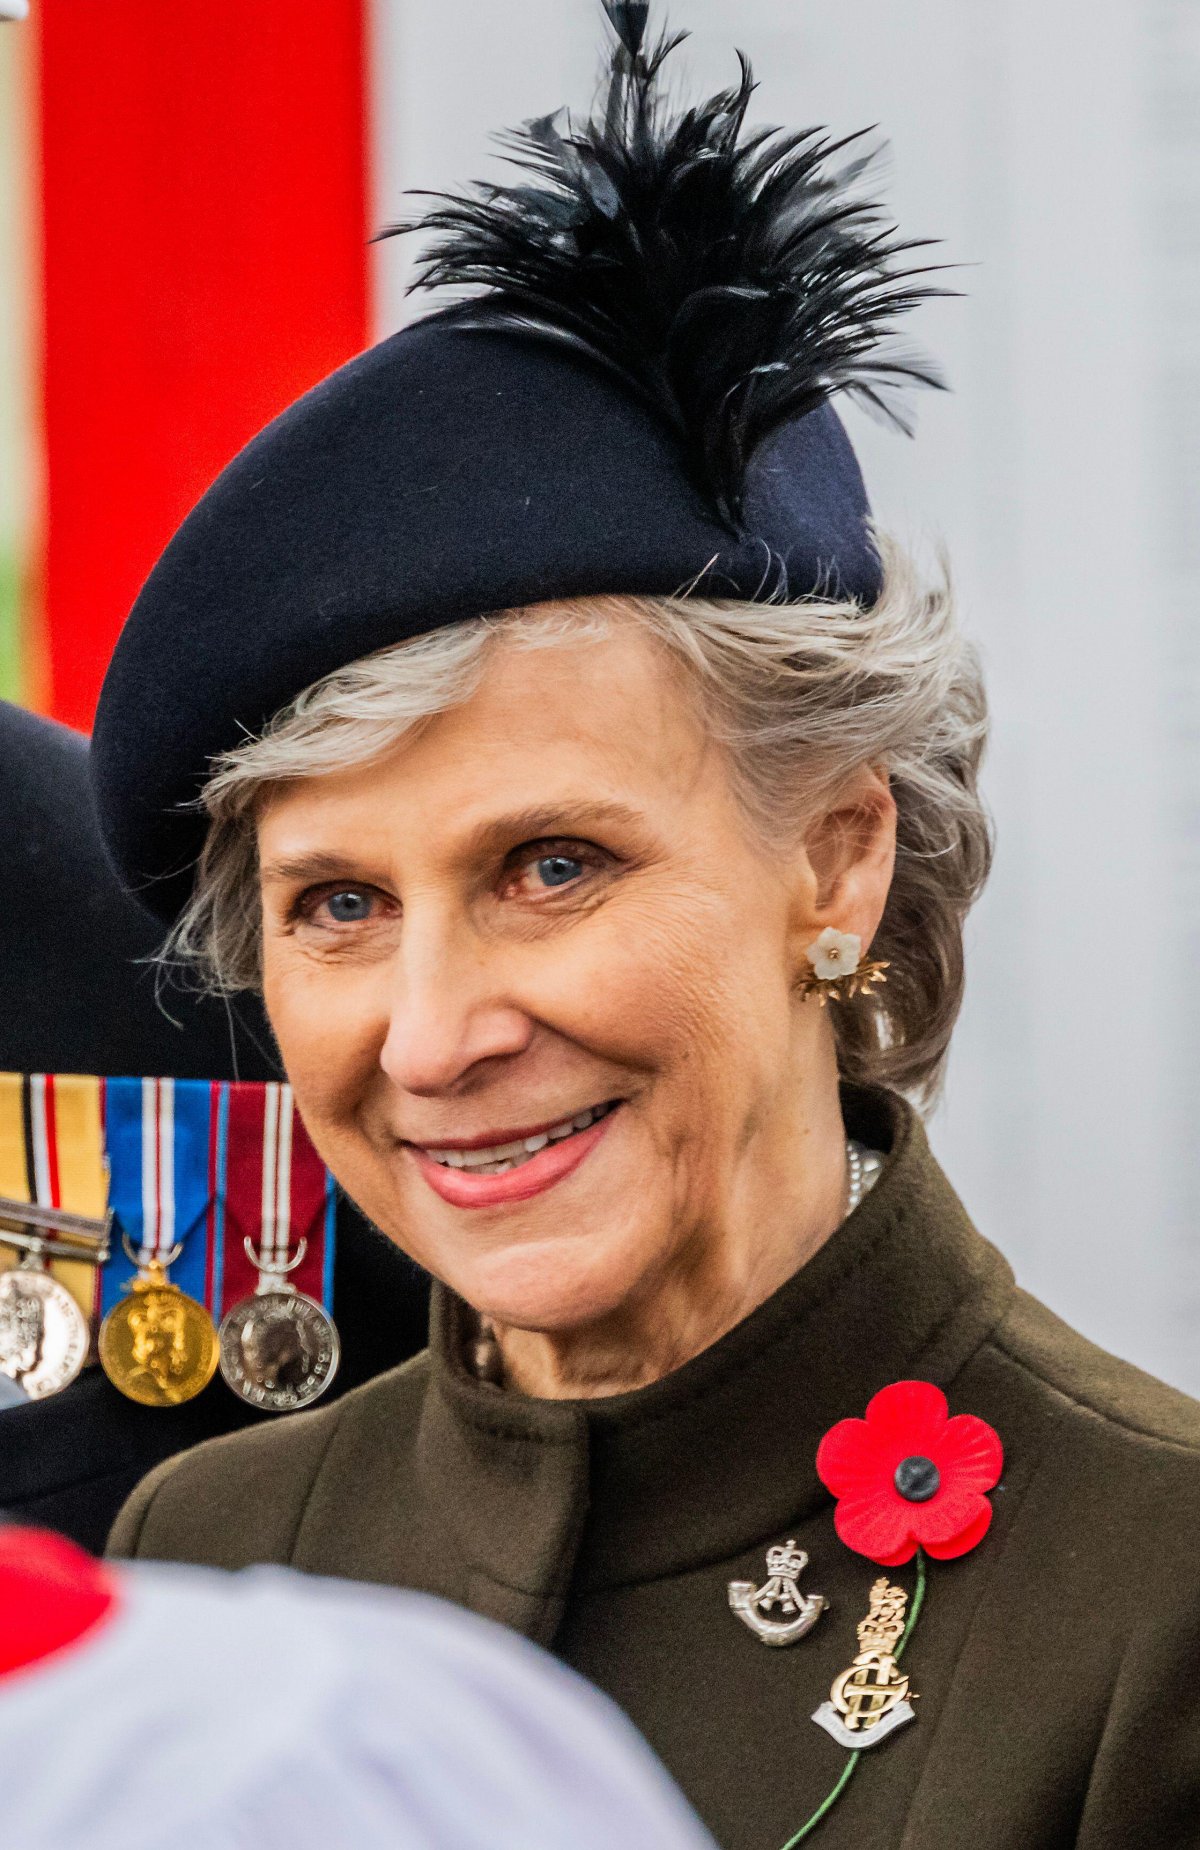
777,1612
158,1346
872,1699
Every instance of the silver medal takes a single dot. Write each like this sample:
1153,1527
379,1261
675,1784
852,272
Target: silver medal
45,1339
44,1336
279,1349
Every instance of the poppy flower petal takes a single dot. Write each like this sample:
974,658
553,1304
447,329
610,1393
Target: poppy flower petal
848,1458
966,1539
971,1451
946,1515
910,1415
898,1559
876,1527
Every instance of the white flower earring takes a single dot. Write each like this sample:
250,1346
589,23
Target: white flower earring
838,972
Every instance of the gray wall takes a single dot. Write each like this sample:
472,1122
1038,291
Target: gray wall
1056,150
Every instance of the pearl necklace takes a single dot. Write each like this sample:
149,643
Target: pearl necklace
863,1168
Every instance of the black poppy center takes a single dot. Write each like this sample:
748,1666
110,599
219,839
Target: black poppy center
917,1479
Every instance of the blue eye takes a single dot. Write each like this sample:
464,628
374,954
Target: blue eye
349,907
557,869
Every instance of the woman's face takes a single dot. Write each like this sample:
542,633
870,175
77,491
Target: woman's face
546,905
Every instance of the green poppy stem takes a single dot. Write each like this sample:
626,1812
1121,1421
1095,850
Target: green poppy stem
827,1803
918,1600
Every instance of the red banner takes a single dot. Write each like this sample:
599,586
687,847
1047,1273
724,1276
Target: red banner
204,215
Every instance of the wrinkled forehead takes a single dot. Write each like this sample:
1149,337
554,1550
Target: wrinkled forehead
580,724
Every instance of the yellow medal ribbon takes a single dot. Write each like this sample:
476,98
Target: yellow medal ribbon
52,1154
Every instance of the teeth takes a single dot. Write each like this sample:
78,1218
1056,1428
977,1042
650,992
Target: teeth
501,1157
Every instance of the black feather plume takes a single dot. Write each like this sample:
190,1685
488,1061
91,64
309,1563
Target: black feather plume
733,279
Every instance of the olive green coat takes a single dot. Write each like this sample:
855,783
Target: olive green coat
1056,1665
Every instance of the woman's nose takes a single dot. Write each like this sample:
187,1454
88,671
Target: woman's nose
450,1009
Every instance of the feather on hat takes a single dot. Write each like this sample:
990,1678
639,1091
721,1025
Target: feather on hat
731,278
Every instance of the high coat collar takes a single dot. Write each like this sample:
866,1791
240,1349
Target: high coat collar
719,1455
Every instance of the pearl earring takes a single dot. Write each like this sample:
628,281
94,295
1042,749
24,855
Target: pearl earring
838,972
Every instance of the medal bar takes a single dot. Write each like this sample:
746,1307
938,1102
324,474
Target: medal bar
43,1248
225,1211
89,1234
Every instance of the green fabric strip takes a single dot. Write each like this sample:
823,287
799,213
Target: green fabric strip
10,626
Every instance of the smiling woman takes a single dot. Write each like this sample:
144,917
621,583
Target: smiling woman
532,714
591,845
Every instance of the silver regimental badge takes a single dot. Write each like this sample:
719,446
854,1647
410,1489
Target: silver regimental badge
871,1699
777,1612
279,1350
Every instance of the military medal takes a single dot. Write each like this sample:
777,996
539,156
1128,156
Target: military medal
279,1350
44,1336
157,1343
777,1612
51,1151
158,1346
279,1347
872,1698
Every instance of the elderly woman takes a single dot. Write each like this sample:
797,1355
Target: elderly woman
596,808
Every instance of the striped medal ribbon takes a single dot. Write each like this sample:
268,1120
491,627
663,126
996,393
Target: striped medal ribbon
53,1235
217,1184
157,1343
279,1347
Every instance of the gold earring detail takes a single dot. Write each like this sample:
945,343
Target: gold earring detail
838,972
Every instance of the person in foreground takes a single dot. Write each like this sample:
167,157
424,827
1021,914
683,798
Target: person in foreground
595,803
313,1715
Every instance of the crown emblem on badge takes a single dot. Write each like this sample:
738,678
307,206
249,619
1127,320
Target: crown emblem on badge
883,1627
777,1612
786,1562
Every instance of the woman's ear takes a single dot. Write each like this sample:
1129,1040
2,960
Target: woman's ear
850,848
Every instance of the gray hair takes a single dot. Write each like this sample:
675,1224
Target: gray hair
801,695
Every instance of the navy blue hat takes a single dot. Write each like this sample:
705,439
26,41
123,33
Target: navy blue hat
635,399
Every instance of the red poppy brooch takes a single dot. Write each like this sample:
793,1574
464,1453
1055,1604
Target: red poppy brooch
910,1477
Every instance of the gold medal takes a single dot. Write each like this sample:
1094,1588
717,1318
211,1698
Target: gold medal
158,1346
871,1699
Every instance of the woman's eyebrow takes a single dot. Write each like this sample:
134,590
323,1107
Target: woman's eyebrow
321,864
548,820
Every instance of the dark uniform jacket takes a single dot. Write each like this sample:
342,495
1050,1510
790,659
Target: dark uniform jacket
78,994
1055,1665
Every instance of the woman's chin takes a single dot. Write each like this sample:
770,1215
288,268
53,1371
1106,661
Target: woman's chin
549,1287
